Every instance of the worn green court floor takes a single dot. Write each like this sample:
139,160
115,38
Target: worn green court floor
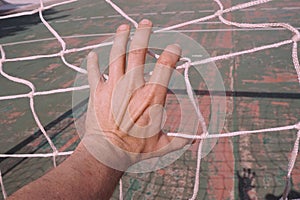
266,94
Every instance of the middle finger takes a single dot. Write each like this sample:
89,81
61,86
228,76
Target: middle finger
138,49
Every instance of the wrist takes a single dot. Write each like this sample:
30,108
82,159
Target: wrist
94,179
125,142
107,151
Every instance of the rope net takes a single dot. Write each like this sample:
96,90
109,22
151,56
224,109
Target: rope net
218,14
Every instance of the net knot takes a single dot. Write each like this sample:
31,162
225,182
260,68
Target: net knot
31,94
297,126
219,13
296,38
55,153
61,53
185,65
105,76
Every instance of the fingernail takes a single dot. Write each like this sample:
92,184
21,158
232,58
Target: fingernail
174,48
177,45
123,27
145,21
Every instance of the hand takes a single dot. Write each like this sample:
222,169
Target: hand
123,123
124,112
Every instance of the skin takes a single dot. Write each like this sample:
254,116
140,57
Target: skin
82,176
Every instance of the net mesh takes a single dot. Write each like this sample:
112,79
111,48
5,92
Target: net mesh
219,13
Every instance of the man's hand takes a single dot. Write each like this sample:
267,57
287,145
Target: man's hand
123,123
125,111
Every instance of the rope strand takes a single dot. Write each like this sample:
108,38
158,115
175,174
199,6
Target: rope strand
188,62
2,187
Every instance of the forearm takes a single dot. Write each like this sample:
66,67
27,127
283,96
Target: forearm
79,177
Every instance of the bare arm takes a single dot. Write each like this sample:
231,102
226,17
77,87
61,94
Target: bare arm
81,176
120,129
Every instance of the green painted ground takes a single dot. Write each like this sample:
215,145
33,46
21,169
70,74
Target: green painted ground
263,81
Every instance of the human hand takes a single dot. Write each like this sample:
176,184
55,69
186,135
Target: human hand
125,109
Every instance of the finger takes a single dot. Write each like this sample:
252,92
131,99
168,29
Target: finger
94,75
163,69
138,49
118,53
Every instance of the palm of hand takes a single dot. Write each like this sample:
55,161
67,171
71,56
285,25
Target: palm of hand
125,109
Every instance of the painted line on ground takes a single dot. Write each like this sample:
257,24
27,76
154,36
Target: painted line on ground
153,13
290,8
97,17
213,22
269,9
89,35
110,34
133,15
62,21
79,19
52,38
27,41
248,9
168,13
113,16
187,12
206,11
164,13
230,29
197,56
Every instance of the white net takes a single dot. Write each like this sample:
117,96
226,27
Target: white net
219,14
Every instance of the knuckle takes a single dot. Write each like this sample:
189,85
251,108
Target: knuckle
138,51
165,61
